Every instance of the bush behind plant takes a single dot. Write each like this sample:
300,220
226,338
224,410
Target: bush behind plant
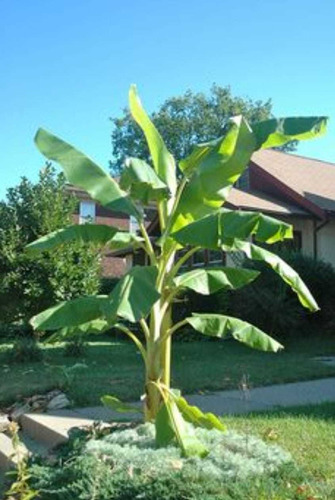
24,350
270,304
75,348
26,284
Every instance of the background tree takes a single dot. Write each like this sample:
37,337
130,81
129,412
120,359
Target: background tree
186,120
30,211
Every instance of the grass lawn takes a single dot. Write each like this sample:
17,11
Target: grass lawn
115,367
308,433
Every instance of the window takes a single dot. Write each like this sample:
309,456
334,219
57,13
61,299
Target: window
199,259
133,225
87,212
203,258
216,257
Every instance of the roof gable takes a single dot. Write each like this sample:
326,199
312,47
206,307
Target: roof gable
312,179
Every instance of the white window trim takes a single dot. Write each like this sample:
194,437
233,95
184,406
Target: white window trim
87,212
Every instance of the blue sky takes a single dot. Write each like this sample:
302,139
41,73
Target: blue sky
67,65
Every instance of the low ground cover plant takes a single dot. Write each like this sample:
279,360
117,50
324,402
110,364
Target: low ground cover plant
306,432
189,203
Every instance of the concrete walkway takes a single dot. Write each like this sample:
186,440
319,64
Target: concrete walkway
238,402
41,432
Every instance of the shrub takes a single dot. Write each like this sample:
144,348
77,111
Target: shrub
13,331
270,304
75,348
26,284
25,350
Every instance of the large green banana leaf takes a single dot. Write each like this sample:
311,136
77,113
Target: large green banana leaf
96,326
210,231
124,239
84,173
208,281
163,161
217,325
286,272
213,168
97,234
87,233
131,299
134,295
70,314
142,182
276,132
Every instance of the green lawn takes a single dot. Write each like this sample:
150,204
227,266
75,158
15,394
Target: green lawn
308,433
115,367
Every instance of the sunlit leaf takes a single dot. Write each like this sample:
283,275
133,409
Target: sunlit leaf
213,168
69,314
134,295
278,131
123,239
218,325
142,182
163,161
208,281
84,173
210,231
87,233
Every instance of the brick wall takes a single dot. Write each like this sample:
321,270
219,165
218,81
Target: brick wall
111,266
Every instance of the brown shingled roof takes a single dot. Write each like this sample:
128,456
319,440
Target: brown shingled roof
312,179
256,200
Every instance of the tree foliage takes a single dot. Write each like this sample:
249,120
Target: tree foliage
30,211
186,120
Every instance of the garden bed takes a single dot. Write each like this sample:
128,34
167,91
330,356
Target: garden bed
126,464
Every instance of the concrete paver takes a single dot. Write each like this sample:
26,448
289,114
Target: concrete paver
52,428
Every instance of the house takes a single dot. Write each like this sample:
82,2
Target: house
90,211
293,188
307,188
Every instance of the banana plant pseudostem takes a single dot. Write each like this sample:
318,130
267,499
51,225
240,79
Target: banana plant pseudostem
192,216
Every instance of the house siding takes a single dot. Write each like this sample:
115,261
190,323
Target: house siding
111,266
306,228
326,243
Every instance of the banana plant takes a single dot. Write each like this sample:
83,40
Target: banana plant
190,200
